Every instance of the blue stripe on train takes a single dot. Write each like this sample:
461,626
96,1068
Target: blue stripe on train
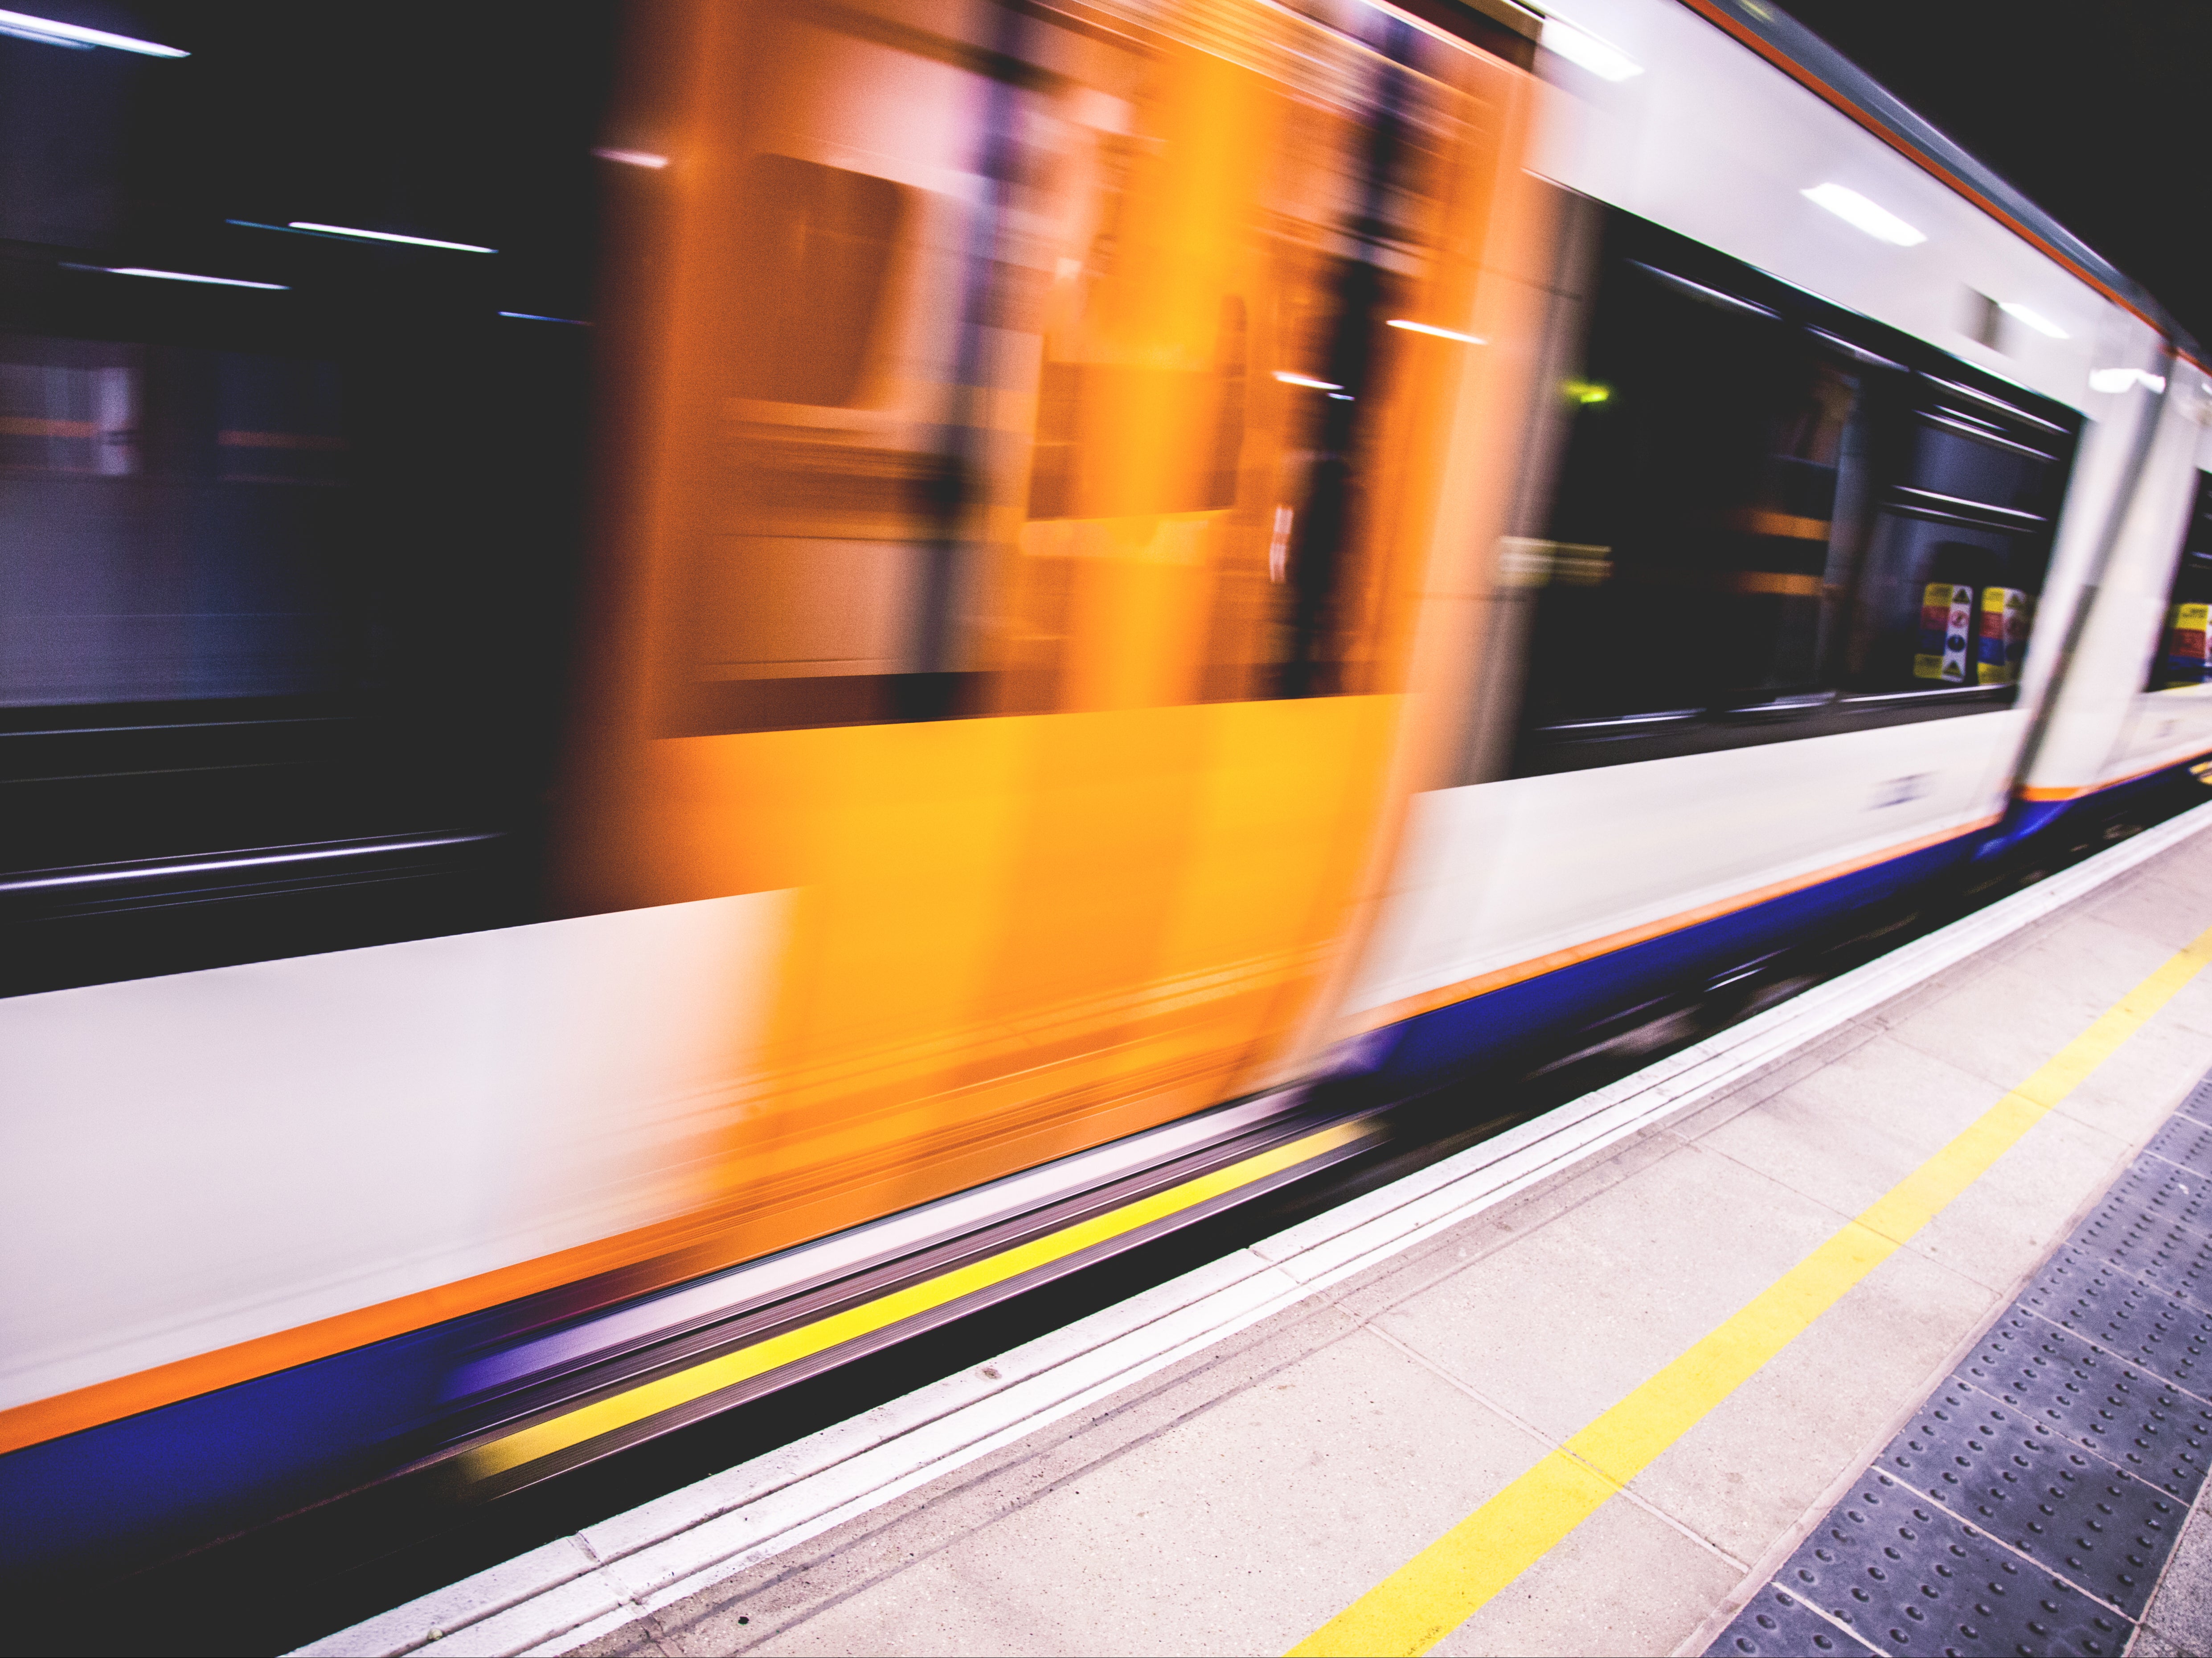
113,1498
1522,1018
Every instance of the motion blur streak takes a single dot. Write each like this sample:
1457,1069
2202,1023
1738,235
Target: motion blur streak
387,236
47,30
1077,804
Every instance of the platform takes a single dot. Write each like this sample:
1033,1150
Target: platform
1920,1261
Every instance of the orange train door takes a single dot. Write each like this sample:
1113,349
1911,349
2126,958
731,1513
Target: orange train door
1025,500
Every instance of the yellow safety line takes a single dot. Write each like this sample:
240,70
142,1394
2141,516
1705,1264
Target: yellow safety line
1447,1582
681,1387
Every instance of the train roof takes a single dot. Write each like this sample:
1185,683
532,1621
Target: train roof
1810,60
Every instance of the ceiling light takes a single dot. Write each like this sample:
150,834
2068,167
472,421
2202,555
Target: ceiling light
632,157
385,236
47,32
1855,210
2035,319
1307,380
539,316
2122,379
1601,57
1440,333
180,276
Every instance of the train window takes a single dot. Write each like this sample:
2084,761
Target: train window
1946,599
2182,657
135,573
1089,413
1690,559
68,407
287,547
277,421
1770,519
1071,477
822,243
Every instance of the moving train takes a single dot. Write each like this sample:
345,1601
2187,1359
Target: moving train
682,684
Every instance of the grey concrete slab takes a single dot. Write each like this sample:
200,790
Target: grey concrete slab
2098,957
1236,1528
1848,1133
989,1490
2153,1643
2003,1024
2179,1619
2167,906
1997,1229
1697,1124
2191,1006
1460,1247
1757,1463
1569,1321
2138,1087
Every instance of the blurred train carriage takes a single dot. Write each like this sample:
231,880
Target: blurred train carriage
1020,570
1105,578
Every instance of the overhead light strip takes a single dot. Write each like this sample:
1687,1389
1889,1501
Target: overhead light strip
47,32
385,236
1430,328
178,277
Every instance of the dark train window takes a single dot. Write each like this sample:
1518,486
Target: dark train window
1770,519
288,521
1946,595
135,570
1688,563
2182,656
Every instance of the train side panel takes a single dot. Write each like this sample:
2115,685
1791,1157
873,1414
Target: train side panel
297,1157
1570,885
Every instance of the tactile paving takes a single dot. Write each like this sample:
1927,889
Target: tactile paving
2164,1254
1778,1624
2185,1141
2163,1190
2104,1531
2133,1419
2125,1315
1909,1578
2199,1102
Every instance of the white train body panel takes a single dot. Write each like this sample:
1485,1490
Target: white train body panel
299,1139
1497,875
